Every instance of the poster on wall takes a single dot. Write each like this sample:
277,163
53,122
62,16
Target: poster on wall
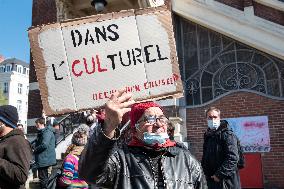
80,63
253,132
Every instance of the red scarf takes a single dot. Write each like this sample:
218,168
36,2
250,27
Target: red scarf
137,142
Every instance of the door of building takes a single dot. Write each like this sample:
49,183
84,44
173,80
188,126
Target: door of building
251,176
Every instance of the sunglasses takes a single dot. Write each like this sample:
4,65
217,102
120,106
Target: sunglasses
154,119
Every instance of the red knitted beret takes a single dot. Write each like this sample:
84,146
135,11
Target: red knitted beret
137,110
101,115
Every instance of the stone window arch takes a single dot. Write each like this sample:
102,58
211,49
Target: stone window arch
213,65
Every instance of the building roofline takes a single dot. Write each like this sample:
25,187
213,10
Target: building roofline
16,61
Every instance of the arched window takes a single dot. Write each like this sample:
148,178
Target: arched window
213,65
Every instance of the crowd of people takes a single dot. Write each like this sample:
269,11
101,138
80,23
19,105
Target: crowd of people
99,157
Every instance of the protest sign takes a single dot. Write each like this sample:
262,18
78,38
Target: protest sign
80,63
253,132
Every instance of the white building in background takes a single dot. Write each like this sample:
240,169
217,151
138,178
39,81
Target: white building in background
14,81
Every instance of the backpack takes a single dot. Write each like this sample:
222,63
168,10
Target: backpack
241,162
52,179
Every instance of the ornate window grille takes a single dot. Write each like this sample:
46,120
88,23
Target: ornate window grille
213,65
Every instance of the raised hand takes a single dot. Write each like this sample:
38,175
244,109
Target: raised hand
118,104
215,178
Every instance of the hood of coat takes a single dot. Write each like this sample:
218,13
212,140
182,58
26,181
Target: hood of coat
12,133
45,129
52,129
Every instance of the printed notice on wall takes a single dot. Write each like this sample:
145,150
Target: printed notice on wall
80,63
253,132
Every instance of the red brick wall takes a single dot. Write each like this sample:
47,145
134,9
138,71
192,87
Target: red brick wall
43,12
246,104
260,10
171,111
269,13
238,4
248,3
35,105
32,75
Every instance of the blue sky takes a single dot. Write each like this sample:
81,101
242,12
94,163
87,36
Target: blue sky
15,19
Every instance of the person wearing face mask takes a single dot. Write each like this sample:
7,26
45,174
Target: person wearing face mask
220,153
44,151
149,160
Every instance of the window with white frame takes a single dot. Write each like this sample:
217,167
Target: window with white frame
20,88
6,87
2,69
27,92
27,71
19,69
19,105
8,68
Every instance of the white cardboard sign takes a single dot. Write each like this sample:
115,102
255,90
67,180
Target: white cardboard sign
80,63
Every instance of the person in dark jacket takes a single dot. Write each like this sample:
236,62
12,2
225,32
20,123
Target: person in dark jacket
44,151
220,153
149,160
55,127
15,151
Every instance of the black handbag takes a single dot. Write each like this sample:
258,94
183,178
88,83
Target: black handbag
52,179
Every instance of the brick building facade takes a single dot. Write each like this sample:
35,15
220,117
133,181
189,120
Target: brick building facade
43,12
239,105
206,47
207,30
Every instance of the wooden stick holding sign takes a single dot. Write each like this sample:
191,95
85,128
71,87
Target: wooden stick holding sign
80,63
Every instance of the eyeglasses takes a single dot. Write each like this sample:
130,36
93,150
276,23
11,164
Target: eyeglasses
153,119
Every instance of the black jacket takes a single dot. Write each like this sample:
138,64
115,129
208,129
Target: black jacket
220,157
15,157
130,168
